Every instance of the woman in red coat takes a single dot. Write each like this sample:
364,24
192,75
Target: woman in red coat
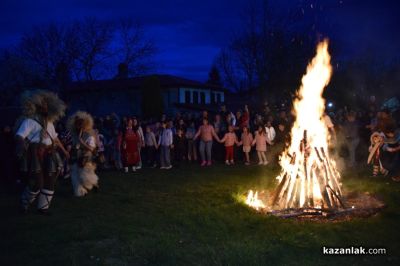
130,141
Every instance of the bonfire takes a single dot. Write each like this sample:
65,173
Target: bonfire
309,181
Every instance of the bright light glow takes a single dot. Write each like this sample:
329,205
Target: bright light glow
253,200
309,177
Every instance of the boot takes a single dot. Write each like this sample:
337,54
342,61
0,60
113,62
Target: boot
44,201
27,198
384,171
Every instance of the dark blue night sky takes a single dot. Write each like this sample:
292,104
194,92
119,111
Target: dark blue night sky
189,34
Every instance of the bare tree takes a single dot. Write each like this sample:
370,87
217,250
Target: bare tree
48,46
133,49
94,44
268,47
86,50
225,62
214,77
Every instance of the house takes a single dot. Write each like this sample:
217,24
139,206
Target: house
124,95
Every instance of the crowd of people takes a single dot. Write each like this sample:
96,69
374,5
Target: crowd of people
128,144
246,136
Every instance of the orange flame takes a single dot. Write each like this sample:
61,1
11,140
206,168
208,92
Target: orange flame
253,200
309,177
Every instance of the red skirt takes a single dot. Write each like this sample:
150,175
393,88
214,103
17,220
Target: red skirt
130,149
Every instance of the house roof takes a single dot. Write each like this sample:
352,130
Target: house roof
166,81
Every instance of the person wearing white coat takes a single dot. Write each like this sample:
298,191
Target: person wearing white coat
269,129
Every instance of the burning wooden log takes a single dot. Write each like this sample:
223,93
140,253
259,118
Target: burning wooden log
289,191
323,180
332,172
295,193
283,181
337,197
279,189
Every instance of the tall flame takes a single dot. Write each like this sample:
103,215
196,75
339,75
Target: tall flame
309,177
309,106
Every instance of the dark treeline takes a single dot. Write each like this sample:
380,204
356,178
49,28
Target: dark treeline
269,54
51,55
266,56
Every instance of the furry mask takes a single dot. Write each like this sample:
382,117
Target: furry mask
81,118
42,103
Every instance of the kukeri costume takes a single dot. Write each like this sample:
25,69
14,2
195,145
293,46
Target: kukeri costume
36,147
374,157
83,175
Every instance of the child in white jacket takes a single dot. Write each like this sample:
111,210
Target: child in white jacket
270,131
166,143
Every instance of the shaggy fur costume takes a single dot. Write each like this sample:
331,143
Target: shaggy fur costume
83,175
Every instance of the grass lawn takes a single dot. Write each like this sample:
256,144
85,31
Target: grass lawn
189,216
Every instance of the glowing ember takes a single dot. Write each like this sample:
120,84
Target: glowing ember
253,200
309,177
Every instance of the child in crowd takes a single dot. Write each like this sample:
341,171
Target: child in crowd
181,124
166,144
157,129
271,134
270,131
191,144
246,141
151,147
245,118
130,142
261,140
230,140
66,139
115,146
206,133
172,126
136,124
179,146
100,140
